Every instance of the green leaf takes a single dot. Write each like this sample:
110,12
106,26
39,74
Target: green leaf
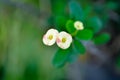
60,22
58,6
73,56
101,39
94,23
79,47
112,5
70,26
85,34
76,11
87,11
60,57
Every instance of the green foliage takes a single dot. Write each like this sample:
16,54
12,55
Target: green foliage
60,22
70,26
79,47
61,57
75,11
94,23
112,5
85,34
58,7
101,39
72,57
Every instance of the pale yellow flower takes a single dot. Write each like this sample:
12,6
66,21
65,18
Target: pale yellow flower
64,40
50,37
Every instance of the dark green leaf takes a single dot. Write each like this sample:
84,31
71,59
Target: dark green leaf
60,57
76,11
99,9
79,47
70,26
112,5
60,22
87,11
85,34
73,56
94,23
58,6
101,39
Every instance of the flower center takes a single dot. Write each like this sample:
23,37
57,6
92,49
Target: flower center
63,40
78,26
50,37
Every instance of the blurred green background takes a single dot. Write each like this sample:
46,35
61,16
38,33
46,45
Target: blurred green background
22,53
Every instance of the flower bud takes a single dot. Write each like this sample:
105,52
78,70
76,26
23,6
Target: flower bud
78,25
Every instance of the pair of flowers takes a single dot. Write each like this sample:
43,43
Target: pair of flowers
63,39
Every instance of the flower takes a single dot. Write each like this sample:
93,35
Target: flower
78,25
64,40
50,37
